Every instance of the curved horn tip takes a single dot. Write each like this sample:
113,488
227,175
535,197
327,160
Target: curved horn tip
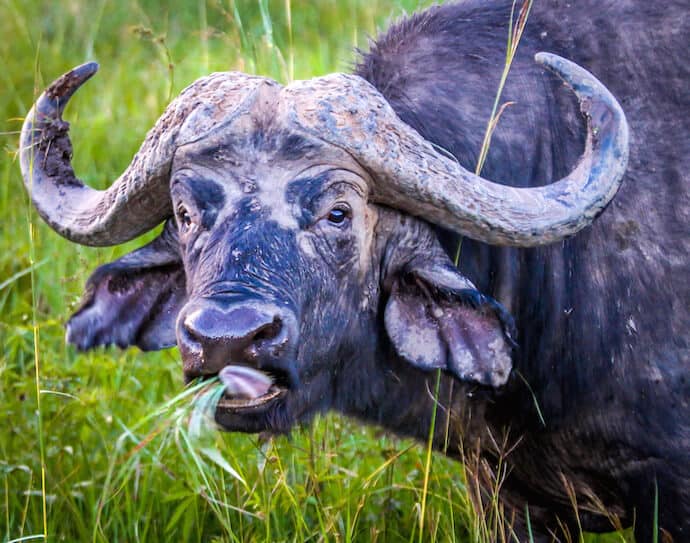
580,80
61,90
585,86
573,74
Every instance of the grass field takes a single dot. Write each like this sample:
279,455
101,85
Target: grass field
109,473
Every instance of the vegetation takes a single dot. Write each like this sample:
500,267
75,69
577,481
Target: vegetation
87,453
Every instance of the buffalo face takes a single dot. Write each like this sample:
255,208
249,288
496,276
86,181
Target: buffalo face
279,267
276,244
278,274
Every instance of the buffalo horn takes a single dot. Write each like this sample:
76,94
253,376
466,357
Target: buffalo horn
409,173
133,204
140,198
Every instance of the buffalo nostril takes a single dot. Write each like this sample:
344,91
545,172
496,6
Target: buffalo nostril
268,331
264,341
190,335
190,327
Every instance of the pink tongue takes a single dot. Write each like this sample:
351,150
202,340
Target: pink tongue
244,382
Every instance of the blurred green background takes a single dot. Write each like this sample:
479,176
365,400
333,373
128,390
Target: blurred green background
109,477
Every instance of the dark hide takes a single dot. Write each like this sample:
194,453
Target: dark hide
288,268
603,317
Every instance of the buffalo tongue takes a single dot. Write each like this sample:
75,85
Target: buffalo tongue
244,382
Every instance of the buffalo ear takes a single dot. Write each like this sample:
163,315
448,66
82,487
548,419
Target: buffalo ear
134,300
436,318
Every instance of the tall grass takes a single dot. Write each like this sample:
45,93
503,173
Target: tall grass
86,453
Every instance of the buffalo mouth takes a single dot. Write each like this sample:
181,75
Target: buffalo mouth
250,389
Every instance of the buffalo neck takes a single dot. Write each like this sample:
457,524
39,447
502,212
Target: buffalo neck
408,402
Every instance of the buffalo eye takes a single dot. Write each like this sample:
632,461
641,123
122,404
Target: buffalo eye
338,214
184,218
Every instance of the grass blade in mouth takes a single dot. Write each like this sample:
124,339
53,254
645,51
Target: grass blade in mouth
203,409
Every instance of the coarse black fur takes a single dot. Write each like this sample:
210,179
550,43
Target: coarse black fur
255,270
603,318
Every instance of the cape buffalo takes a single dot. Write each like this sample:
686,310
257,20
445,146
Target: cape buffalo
304,256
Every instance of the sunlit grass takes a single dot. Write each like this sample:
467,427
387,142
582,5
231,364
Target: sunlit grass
127,455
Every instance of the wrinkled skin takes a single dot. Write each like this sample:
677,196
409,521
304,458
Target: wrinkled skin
276,259
308,243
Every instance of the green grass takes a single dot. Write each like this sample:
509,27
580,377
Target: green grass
117,467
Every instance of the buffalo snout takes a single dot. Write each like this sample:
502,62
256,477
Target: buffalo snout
213,334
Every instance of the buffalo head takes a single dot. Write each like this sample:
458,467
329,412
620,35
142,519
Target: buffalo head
296,260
